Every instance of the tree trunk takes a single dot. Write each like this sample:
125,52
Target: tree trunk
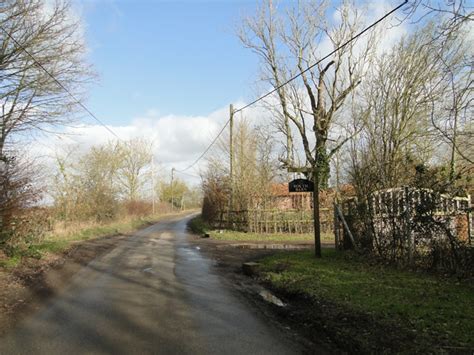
323,166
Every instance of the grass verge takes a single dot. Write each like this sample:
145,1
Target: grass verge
58,242
352,297
277,237
198,226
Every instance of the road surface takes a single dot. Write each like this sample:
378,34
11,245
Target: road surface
152,294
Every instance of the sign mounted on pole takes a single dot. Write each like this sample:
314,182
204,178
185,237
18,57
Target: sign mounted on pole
301,185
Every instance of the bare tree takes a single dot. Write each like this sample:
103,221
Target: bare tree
18,192
85,187
413,109
255,164
63,188
37,35
451,15
135,156
451,115
174,192
289,44
394,107
215,188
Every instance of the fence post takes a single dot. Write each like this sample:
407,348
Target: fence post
469,219
469,230
346,227
336,227
266,221
408,218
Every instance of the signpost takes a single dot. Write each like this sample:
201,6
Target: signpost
301,185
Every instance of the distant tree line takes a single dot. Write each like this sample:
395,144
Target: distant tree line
112,179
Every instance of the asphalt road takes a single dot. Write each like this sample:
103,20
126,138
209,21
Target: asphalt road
152,294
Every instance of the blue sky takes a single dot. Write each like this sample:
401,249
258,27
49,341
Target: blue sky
167,72
174,57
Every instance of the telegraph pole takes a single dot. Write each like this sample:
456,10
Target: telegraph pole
231,149
172,189
153,184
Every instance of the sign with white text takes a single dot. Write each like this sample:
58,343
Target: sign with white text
301,185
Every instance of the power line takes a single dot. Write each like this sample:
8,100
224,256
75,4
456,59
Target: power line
297,76
324,58
183,173
59,83
207,149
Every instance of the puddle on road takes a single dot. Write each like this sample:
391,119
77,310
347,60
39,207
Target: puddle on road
191,254
269,297
268,246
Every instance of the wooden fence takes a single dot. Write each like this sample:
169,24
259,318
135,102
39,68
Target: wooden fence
274,221
398,201
394,211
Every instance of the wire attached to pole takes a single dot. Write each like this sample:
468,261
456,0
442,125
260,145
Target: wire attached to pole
295,77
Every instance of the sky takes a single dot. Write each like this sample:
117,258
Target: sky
167,71
173,57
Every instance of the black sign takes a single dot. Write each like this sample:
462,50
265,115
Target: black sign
301,185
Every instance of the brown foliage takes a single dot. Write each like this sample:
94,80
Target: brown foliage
138,208
21,223
216,195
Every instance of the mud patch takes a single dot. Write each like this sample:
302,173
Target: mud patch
268,246
228,261
347,330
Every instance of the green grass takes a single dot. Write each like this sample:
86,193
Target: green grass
198,226
56,244
11,262
432,306
258,237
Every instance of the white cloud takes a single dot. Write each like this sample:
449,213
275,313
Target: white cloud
178,140
391,30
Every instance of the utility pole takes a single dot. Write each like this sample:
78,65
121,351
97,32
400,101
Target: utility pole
153,184
172,189
231,149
